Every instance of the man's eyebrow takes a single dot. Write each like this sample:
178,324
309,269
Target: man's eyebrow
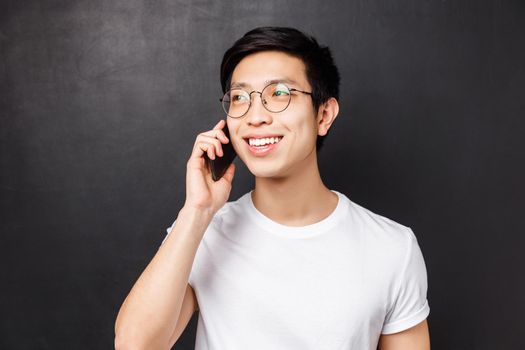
267,82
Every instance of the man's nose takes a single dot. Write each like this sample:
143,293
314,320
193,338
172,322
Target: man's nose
257,114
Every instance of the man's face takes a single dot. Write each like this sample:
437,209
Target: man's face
296,126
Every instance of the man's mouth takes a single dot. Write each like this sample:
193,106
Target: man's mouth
263,141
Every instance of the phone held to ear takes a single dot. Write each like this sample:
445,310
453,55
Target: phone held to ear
219,165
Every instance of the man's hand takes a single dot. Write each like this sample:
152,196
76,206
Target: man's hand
201,191
415,338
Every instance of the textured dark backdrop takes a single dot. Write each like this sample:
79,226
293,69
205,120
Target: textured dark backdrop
100,102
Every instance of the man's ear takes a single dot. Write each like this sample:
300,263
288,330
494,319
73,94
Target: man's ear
326,115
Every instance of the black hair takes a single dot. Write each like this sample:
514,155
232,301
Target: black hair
321,71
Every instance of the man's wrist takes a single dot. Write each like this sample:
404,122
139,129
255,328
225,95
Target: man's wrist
196,215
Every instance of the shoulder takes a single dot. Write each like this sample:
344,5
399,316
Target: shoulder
233,214
232,209
389,248
377,226
388,241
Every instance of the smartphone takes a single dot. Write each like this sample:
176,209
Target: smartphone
219,165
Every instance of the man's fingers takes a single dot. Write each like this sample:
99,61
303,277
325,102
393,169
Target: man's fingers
215,134
214,141
204,147
219,125
218,131
210,142
210,151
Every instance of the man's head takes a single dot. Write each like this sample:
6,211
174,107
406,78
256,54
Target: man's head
321,72
278,106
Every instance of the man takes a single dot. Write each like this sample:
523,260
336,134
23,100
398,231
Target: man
291,264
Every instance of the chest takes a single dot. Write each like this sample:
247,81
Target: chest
323,289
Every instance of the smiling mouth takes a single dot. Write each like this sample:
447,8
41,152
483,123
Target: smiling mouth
265,141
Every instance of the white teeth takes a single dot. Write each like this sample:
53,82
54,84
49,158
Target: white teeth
264,141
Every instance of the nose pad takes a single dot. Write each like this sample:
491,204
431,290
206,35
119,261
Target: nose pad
258,114
263,101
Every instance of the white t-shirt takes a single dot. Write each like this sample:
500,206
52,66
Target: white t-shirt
337,284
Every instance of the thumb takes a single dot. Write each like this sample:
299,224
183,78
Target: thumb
230,172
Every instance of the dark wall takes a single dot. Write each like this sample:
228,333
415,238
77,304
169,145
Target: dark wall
100,103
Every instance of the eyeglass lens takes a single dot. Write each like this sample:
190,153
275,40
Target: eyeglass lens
275,98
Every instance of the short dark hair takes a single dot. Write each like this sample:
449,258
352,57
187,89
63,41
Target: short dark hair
321,71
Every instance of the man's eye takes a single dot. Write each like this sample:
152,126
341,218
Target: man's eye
280,90
280,93
238,98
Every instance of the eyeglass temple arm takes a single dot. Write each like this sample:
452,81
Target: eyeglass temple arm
304,92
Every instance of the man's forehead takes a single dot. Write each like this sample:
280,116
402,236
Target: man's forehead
262,68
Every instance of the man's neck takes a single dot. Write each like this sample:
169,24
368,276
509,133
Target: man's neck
298,200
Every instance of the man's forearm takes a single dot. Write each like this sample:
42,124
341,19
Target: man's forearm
150,312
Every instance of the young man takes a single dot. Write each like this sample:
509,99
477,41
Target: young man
291,264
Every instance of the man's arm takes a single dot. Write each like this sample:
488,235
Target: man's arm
152,310
415,338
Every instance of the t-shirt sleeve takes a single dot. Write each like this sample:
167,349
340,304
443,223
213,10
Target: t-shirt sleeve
168,230
410,305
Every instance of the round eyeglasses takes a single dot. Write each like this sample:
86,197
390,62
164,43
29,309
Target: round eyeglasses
275,98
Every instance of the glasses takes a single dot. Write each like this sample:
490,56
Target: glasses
275,98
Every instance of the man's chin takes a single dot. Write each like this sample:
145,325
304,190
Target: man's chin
267,173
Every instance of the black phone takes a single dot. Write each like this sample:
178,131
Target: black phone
219,165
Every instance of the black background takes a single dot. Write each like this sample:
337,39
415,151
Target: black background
100,103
